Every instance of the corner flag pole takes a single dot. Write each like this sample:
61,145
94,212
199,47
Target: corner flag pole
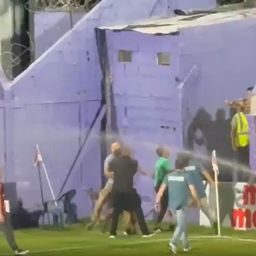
40,161
216,173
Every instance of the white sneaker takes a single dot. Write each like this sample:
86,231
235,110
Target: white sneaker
112,237
173,248
187,249
21,252
149,235
157,230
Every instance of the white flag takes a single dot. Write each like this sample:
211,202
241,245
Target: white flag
215,166
38,157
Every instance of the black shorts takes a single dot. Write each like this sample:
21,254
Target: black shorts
126,201
243,156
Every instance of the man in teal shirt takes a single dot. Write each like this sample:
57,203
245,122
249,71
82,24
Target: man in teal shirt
162,168
179,186
197,172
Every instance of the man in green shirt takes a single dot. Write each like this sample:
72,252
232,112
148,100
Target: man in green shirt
162,167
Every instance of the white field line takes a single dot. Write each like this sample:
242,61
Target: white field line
142,241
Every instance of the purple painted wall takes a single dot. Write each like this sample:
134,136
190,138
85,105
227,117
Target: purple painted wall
54,102
215,62
229,72
50,26
146,99
194,4
252,130
225,57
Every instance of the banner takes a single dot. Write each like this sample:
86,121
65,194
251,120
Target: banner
244,213
237,205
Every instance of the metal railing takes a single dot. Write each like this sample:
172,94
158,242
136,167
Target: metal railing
65,5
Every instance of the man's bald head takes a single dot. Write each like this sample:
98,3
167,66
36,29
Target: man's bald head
116,148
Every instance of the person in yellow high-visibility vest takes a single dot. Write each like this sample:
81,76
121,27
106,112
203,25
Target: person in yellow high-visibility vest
240,136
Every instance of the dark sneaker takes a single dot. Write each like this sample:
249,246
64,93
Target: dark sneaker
21,252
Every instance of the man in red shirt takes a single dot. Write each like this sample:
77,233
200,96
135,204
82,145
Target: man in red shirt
5,223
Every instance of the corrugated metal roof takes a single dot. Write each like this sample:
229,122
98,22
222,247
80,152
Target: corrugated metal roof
174,24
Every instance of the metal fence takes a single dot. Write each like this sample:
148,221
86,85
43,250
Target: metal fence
65,5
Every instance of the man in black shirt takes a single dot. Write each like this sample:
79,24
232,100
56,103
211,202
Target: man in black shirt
125,197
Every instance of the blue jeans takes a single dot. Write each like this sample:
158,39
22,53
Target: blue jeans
180,232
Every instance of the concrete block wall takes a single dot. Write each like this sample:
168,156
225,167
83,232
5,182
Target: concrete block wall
146,99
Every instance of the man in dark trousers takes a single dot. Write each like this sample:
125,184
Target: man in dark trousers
125,197
5,223
162,167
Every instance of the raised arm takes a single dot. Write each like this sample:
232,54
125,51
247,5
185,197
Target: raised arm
143,172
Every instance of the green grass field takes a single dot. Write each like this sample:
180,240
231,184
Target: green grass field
77,241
